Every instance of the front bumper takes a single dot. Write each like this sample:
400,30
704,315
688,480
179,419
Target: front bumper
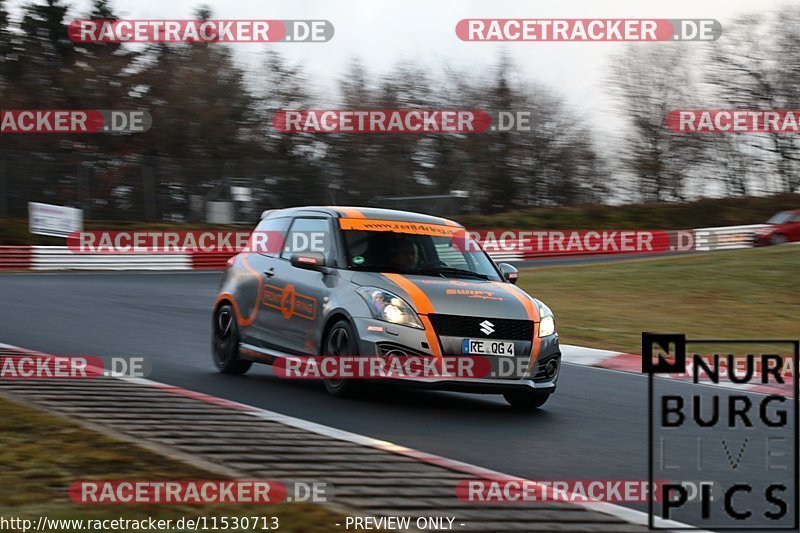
380,339
762,239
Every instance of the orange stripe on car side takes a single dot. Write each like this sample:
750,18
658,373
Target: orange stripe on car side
423,305
531,311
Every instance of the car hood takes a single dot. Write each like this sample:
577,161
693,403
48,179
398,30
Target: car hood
453,296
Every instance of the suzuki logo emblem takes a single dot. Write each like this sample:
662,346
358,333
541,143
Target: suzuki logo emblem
487,328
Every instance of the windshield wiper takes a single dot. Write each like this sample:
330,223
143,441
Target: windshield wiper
452,271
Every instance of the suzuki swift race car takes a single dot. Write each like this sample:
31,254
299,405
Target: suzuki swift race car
376,282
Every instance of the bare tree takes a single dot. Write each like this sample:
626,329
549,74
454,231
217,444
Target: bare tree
650,82
757,66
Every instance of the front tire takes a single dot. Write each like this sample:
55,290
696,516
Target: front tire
778,238
225,343
525,400
341,341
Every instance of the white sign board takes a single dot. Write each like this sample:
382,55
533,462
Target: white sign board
54,220
219,212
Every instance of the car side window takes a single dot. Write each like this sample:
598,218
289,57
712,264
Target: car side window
269,229
309,235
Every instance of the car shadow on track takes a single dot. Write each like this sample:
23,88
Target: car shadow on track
387,396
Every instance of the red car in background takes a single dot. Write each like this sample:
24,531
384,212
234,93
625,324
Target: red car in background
783,227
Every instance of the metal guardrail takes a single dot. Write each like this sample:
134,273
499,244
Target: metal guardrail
15,257
62,258
726,237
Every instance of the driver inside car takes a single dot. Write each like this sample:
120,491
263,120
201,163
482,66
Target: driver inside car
394,252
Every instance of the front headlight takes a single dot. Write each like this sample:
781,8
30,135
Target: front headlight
547,324
389,307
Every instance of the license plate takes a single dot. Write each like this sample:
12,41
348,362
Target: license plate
487,347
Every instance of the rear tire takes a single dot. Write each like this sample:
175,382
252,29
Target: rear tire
341,341
525,400
225,343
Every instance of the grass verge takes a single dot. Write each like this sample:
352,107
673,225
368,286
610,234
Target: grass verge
752,293
42,454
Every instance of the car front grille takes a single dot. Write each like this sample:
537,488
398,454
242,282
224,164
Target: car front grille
470,327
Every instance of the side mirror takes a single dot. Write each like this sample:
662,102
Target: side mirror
510,273
309,261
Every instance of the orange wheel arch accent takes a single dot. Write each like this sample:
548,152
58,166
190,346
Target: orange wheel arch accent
244,321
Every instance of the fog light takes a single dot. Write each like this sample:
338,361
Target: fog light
551,368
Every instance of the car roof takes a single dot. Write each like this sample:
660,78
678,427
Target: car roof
372,213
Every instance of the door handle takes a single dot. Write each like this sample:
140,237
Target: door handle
269,273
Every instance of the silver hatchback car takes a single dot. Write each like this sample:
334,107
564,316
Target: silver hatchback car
370,282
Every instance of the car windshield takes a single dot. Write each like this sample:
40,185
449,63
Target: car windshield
435,255
780,218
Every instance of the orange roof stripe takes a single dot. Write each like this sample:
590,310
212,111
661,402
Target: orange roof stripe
350,212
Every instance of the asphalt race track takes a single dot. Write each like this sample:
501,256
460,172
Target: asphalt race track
595,426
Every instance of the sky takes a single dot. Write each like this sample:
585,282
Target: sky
382,33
